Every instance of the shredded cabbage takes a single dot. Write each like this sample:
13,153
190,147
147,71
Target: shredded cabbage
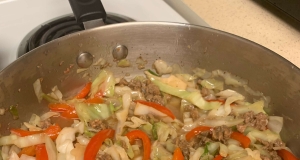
159,152
104,83
122,114
266,135
162,67
193,97
256,107
212,84
275,123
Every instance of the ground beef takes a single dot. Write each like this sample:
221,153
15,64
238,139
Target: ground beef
204,91
149,90
274,155
104,156
123,145
46,123
264,157
193,111
221,133
184,147
194,114
123,82
258,121
98,124
268,146
135,85
201,139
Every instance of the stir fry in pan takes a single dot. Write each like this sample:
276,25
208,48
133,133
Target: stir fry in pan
162,115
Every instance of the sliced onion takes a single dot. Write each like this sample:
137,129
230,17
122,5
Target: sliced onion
15,149
56,93
135,122
275,123
48,115
233,142
121,152
78,151
198,153
31,140
219,121
38,90
34,120
234,148
82,140
4,151
50,147
32,127
223,150
26,157
112,152
13,156
141,109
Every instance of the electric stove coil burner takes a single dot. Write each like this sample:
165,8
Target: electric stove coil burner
61,27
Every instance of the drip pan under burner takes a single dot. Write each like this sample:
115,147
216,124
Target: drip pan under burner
59,28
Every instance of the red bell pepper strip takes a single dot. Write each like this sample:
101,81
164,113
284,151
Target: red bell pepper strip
85,91
94,100
96,142
69,114
68,111
244,140
29,151
138,134
218,157
53,131
41,152
286,155
59,107
158,107
196,131
23,133
177,155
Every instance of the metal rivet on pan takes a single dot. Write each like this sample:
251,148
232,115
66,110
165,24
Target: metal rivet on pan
84,60
120,52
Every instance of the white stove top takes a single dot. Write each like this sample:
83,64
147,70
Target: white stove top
19,17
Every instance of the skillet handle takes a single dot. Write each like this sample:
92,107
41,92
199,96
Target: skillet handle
87,10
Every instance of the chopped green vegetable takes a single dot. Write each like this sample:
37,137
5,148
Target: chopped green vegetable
154,131
14,112
87,112
265,135
212,84
128,148
147,128
124,63
193,97
159,152
49,98
152,72
256,107
104,84
206,151
170,146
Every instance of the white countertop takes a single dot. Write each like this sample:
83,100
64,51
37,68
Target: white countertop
250,20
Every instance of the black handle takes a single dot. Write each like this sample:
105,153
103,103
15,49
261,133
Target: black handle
86,10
